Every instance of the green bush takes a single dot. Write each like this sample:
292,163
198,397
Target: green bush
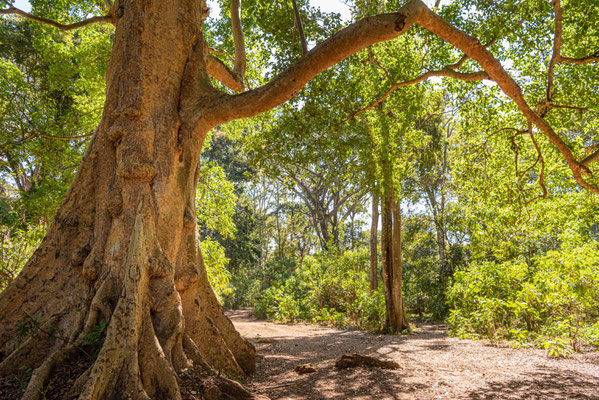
216,267
16,247
550,301
328,288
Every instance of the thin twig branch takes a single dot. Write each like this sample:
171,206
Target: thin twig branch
591,158
216,51
540,158
583,60
447,71
238,40
300,28
58,25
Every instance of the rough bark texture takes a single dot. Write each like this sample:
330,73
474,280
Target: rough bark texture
123,248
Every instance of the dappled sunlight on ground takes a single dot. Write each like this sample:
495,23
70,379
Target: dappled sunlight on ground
433,366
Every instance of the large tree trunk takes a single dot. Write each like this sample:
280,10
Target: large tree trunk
124,247
374,227
395,318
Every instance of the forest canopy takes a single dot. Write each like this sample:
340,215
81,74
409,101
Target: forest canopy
410,162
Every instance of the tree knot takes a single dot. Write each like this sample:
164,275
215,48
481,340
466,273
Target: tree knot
400,23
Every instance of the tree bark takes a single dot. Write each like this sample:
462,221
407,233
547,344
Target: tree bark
387,261
397,274
395,319
373,243
123,247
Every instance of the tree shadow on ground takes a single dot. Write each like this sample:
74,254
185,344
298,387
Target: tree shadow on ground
542,384
432,366
284,353
332,383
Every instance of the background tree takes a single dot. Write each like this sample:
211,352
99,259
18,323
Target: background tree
125,238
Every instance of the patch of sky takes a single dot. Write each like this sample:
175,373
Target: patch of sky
22,5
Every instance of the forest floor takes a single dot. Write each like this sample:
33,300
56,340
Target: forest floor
432,366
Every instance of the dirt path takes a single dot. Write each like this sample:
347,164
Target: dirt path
433,366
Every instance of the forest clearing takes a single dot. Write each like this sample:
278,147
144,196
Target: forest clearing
432,366
420,177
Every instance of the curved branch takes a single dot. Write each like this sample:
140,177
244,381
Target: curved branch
238,41
373,30
338,47
447,71
557,43
584,60
473,48
58,25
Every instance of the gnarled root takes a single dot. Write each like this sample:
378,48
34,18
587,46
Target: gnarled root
154,332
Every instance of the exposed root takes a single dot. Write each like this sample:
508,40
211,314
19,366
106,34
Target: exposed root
100,306
154,334
205,322
77,386
40,375
34,350
194,353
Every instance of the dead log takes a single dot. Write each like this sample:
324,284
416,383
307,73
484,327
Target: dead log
358,360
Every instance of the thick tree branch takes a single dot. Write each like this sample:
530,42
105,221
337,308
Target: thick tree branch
338,47
300,28
238,40
217,69
473,48
373,30
58,25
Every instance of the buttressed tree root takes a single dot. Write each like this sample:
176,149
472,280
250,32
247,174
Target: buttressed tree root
119,279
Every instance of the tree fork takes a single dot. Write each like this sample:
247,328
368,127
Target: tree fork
123,246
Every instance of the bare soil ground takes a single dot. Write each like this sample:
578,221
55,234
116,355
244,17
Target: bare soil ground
433,366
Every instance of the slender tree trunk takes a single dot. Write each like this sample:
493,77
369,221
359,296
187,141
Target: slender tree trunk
397,275
387,261
373,243
395,319
123,247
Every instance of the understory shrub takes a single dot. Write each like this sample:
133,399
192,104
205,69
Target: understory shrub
551,300
328,288
16,247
